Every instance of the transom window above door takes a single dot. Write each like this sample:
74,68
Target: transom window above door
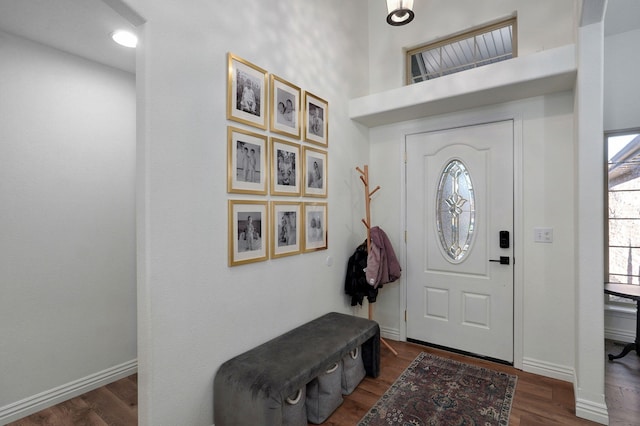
471,49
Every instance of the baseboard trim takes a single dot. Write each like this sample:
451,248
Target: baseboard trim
390,333
592,411
619,323
547,369
619,335
35,403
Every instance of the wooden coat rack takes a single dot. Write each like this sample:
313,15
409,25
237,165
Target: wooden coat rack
364,177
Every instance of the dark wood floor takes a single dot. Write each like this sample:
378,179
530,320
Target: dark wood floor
110,405
538,400
622,387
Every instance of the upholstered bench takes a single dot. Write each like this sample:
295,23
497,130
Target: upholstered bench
252,388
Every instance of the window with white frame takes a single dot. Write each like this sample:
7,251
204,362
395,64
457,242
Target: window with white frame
622,251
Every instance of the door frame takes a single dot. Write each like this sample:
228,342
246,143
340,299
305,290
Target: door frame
464,119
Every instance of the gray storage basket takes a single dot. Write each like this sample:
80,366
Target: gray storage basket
352,371
294,410
324,394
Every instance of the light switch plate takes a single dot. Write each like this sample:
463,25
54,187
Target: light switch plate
543,235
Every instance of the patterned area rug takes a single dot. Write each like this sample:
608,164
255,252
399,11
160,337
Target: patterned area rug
439,391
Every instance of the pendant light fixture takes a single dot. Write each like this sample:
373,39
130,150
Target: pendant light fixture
400,12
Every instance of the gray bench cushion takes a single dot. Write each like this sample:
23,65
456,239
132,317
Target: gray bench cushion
251,388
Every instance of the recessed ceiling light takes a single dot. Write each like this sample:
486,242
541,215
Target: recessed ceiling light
125,38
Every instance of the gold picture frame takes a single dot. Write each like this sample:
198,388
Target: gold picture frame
247,162
285,100
248,231
316,120
315,226
286,168
247,100
286,228
315,169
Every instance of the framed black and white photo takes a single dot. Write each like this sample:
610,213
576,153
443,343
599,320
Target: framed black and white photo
315,226
315,172
247,166
246,92
316,120
285,168
286,228
248,232
285,107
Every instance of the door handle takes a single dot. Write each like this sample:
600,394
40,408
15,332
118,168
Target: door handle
504,260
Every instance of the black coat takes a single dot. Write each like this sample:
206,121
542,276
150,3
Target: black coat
355,283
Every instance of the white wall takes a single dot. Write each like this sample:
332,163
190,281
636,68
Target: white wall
67,219
621,83
546,123
589,221
195,312
436,19
559,288
547,155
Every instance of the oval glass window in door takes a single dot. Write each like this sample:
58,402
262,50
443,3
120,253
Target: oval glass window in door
455,211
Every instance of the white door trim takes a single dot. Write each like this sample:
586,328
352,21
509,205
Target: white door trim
462,119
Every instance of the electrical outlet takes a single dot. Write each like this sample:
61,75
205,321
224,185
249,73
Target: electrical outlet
543,235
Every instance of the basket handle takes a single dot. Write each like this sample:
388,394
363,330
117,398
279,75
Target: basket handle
295,400
332,369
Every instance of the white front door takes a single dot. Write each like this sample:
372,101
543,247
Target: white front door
460,238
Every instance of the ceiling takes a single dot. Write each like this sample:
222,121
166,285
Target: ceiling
80,27
621,16
83,27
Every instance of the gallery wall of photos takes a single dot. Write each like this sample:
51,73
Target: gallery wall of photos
277,152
